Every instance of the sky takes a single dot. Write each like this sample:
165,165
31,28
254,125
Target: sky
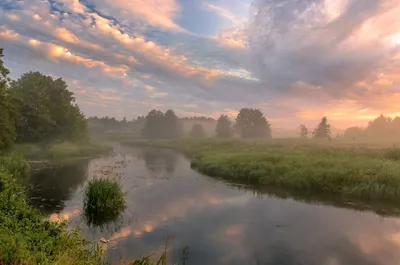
296,60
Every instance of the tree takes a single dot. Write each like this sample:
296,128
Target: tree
171,125
323,130
224,127
47,110
353,133
7,123
197,131
153,127
303,131
252,123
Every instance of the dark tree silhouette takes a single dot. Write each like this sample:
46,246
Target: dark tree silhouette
197,131
252,123
323,130
303,131
224,127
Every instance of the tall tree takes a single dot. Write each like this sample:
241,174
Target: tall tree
7,126
323,129
153,127
303,131
224,127
252,123
47,110
171,124
197,131
353,133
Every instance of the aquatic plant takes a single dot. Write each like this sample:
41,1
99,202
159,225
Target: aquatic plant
103,201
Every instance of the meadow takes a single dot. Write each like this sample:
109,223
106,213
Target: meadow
354,169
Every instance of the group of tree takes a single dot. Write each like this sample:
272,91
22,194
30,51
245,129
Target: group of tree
322,131
382,127
161,125
37,108
111,124
250,123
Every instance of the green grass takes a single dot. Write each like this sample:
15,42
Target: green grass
367,171
75,150
103,201
15,165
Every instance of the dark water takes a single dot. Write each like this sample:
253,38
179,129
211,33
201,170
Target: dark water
221,223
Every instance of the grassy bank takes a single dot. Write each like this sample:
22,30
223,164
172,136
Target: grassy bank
25,236
368,171
60,150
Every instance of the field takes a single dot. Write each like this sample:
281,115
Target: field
367,171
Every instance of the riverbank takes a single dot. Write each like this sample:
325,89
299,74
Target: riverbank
26,237
61,150
356,170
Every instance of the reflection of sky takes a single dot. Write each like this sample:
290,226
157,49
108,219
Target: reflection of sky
229,226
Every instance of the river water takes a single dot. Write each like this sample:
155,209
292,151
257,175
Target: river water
219,222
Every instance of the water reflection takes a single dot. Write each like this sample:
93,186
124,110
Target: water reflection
233,224
51,186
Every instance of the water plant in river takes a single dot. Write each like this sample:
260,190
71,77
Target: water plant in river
69,150
103,201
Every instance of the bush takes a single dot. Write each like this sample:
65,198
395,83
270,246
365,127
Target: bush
103,201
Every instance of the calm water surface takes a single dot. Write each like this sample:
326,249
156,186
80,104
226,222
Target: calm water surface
220,223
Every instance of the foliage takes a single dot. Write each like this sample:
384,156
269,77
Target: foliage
15,165
103,201
160,125
251,123
7,127
323,130
27,238
303,131
70,150
197,131
47,110
224,127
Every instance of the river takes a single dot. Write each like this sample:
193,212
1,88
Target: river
219,222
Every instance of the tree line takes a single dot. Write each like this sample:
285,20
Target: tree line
382,127
249,123
37,108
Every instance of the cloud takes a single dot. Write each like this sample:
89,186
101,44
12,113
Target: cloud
73,6
158,13
292,59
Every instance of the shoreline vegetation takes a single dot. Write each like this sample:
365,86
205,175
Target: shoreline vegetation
345,168
60,150
27,237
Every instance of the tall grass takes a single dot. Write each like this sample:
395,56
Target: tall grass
15,165
103,201
71,150
365,171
